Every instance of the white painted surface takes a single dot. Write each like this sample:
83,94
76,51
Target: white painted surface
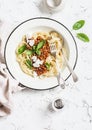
31,107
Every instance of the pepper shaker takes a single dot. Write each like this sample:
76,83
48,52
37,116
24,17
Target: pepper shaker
56,105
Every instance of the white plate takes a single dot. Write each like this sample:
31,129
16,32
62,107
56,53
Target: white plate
30,26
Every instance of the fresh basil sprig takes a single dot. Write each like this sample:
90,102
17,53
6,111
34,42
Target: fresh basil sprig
22,49
83,37
28,52
29,63
79,24
47,65
38,52
40,44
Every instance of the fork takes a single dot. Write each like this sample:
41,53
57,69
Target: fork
61,81
53,52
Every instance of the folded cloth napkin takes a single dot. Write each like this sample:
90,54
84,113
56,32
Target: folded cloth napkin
8,86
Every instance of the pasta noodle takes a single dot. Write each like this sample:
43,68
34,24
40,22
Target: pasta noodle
34,56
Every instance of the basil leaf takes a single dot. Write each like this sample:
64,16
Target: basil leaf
38,52
83,37
78,24
29,63
28,52
40,44
22,49
47,65
34,48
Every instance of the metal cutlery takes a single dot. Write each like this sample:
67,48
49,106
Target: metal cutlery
61,81
74,76
53,49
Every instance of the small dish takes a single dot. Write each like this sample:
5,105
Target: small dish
53,5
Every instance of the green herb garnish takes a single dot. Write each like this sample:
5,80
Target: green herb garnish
28,52
38,52
83,37
78,24
40,44
34,48
47,65
29,63
22,49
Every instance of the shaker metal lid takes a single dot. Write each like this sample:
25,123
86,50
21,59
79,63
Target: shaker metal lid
57,104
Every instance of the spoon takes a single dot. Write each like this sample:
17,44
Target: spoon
74,76
61,81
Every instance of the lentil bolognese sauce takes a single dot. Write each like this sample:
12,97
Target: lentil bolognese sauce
45,51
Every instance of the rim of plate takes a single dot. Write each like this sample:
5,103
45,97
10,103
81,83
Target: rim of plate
31,20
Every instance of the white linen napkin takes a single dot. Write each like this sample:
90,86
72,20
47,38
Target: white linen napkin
8,86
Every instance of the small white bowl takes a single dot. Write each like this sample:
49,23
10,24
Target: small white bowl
53,5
